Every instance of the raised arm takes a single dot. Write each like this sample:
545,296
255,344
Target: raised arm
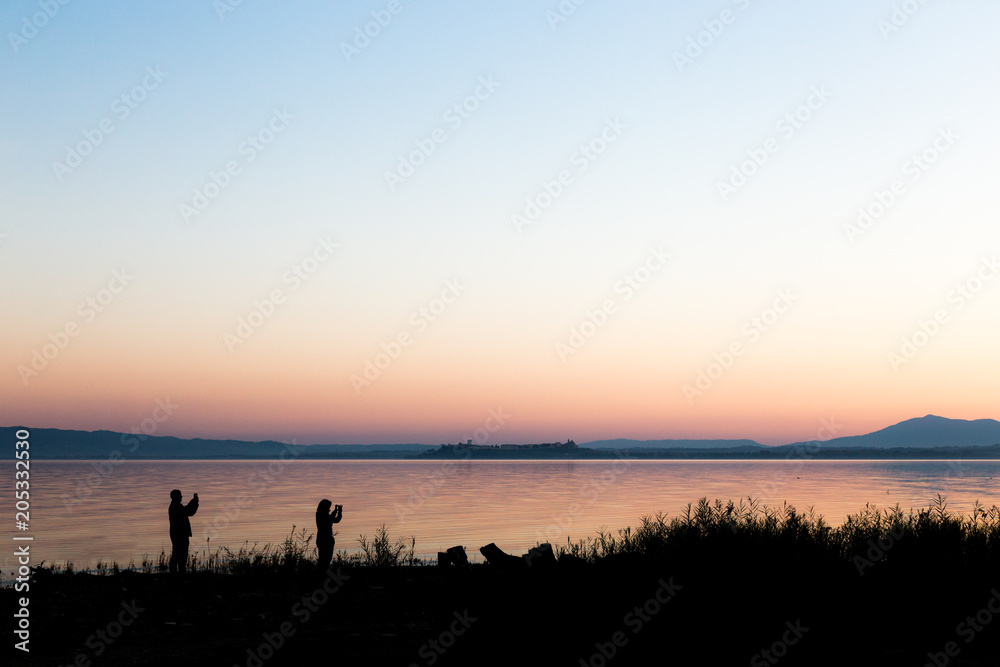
192,506
337,515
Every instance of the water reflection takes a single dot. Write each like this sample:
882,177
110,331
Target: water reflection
122,515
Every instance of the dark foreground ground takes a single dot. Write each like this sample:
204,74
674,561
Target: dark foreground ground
709,609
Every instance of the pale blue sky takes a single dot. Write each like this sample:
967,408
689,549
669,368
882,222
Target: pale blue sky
655,185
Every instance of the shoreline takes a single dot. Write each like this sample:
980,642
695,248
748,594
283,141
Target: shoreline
901,454
719,584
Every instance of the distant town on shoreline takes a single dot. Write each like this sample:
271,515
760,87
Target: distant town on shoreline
929,437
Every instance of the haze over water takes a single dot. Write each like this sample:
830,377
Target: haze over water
512,503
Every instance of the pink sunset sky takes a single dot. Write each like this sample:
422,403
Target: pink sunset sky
292,240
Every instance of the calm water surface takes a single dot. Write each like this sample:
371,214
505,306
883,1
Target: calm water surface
79,514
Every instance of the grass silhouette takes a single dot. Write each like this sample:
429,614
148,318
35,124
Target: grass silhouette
933,534
886,586
927,535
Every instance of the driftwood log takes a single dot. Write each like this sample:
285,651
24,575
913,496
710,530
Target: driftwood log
454,556
494,555
540,556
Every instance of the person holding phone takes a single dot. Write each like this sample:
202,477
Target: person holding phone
180,530
324,531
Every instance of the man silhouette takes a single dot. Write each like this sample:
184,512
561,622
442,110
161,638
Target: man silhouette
180,529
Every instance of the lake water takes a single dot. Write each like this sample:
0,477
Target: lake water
85,511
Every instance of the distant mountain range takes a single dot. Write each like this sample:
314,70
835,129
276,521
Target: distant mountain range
53,443
924,432
926,436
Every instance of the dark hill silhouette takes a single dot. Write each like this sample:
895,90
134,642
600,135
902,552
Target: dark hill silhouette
931,434
923,432
54,443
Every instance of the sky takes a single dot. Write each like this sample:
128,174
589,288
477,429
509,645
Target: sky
517,221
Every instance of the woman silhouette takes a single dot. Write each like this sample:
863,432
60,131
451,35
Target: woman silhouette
324,531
